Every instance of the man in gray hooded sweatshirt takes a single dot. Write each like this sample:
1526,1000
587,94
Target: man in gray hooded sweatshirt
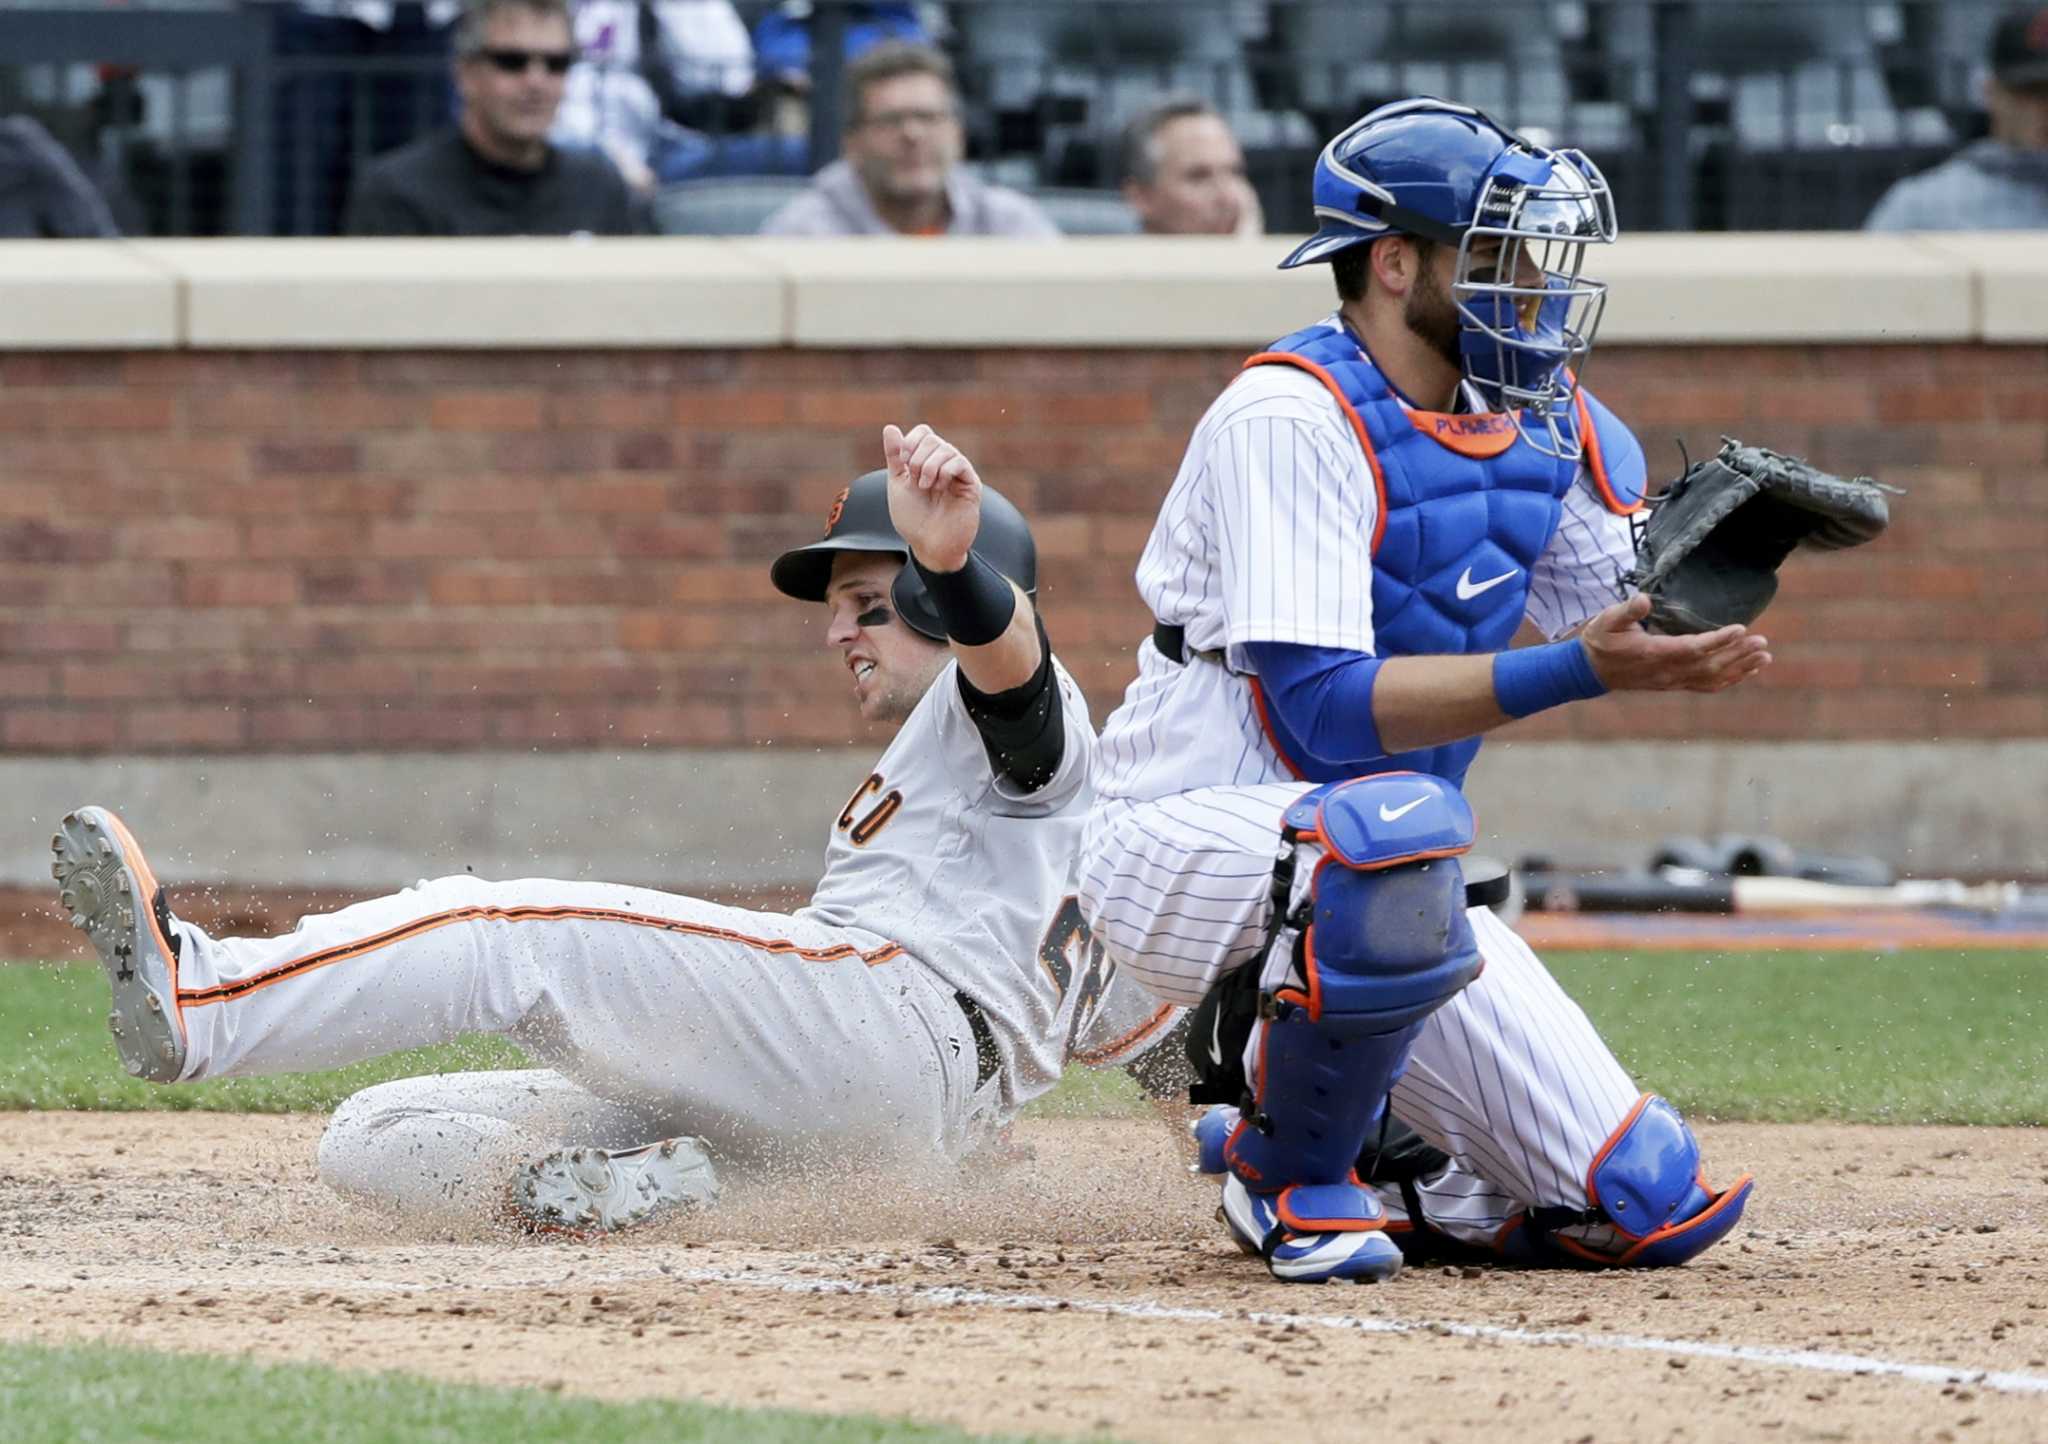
901,174
2000,183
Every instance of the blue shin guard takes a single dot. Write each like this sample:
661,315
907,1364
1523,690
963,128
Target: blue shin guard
1650,1204
1375,942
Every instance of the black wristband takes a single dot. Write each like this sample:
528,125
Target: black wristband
974,604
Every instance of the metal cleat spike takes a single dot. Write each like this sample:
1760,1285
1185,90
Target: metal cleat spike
668,1149
134,1066
114,1024
121,884
166,1051
156,1004
78,920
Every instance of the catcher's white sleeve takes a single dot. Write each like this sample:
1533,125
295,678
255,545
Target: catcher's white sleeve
1580,572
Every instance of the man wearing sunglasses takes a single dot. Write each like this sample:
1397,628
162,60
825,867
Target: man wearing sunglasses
496,174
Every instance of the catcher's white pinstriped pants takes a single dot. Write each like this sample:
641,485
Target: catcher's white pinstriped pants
1509,1077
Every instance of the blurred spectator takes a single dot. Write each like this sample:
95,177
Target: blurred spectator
2000,183
43,193
1184,173
651,72
496,174
901,173
782,39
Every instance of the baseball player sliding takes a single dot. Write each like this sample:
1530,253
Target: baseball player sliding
1364,521
937,980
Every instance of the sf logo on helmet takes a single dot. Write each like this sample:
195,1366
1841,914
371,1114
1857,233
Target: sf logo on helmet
838,510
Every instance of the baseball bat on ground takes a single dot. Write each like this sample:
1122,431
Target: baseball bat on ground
1686,892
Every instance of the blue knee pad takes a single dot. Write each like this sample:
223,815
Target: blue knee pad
1648,1187
1379,943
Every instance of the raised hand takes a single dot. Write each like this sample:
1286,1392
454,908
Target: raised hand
1628,659
934,496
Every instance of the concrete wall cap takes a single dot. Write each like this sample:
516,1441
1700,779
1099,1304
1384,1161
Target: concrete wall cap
514,293
1095,291
1133,292
2010,273
1781,286
67,295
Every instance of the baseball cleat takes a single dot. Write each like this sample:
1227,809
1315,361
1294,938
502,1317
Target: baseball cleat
1365,1256
594,1190
111,896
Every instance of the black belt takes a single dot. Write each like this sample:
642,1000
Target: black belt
1484,892
986,1059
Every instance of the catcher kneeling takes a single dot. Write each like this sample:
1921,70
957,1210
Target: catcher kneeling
937,981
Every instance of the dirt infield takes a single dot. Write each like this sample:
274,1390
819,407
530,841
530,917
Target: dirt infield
1085,1290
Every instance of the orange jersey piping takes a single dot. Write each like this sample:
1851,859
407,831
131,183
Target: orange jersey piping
312,962
1110,1050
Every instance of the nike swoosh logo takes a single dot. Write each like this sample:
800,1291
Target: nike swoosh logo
1395,814
1216,1040
1468,589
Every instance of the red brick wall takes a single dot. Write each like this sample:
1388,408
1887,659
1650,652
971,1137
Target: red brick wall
270,552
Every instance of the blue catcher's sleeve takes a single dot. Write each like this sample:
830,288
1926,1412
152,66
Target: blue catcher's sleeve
1319,699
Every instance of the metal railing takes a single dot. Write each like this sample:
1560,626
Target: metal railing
1706,113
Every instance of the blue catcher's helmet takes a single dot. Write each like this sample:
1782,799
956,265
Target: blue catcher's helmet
1520,216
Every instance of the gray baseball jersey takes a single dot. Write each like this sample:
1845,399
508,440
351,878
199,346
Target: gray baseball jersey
837,1029
975,879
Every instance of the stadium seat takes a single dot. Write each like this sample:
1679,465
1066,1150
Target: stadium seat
737,205
1015,54
722,205
1062,78
1080,211
1507,60
1800,76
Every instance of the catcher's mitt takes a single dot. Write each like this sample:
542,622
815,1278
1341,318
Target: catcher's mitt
1710,551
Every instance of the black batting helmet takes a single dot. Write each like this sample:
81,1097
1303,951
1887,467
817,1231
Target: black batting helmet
859,522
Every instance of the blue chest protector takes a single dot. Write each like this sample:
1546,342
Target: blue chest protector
1466,506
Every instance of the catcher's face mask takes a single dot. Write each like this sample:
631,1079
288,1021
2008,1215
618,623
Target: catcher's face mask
1527,311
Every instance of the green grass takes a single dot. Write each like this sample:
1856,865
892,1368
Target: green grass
55,1052
1893,1037
84,1395
1897,1037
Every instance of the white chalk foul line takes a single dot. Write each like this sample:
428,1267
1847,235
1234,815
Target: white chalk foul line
947,1295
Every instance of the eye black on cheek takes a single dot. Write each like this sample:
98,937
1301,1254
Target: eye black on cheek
876,616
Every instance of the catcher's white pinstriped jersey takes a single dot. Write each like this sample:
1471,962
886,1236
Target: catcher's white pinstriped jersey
1265,535
1263,538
